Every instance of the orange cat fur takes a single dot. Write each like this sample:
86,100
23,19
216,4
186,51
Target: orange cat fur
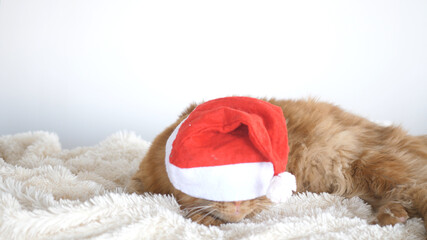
330,151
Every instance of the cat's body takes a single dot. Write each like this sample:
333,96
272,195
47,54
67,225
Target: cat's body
330,151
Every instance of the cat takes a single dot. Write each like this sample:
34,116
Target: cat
331,151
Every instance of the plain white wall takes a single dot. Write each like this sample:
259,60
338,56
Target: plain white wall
88,68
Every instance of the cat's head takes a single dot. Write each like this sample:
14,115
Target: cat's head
215,213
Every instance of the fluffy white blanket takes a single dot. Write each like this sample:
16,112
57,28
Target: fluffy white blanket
51,193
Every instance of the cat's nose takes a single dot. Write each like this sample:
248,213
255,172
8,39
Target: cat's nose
237,204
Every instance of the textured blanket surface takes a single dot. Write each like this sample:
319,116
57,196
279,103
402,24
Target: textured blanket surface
47,192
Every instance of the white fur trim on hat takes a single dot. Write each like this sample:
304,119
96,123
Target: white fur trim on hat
235,182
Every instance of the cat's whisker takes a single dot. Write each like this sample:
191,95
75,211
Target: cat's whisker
196,210
207,214
262,205
198,205
213,218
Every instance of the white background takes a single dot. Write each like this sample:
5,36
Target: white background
88,68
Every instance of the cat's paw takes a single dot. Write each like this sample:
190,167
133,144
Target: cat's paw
391,214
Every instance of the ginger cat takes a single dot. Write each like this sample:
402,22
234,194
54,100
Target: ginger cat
330,151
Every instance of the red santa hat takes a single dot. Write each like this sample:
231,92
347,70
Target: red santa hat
231,149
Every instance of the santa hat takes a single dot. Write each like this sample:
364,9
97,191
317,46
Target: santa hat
231,149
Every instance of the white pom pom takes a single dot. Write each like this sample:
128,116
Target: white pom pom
281,187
